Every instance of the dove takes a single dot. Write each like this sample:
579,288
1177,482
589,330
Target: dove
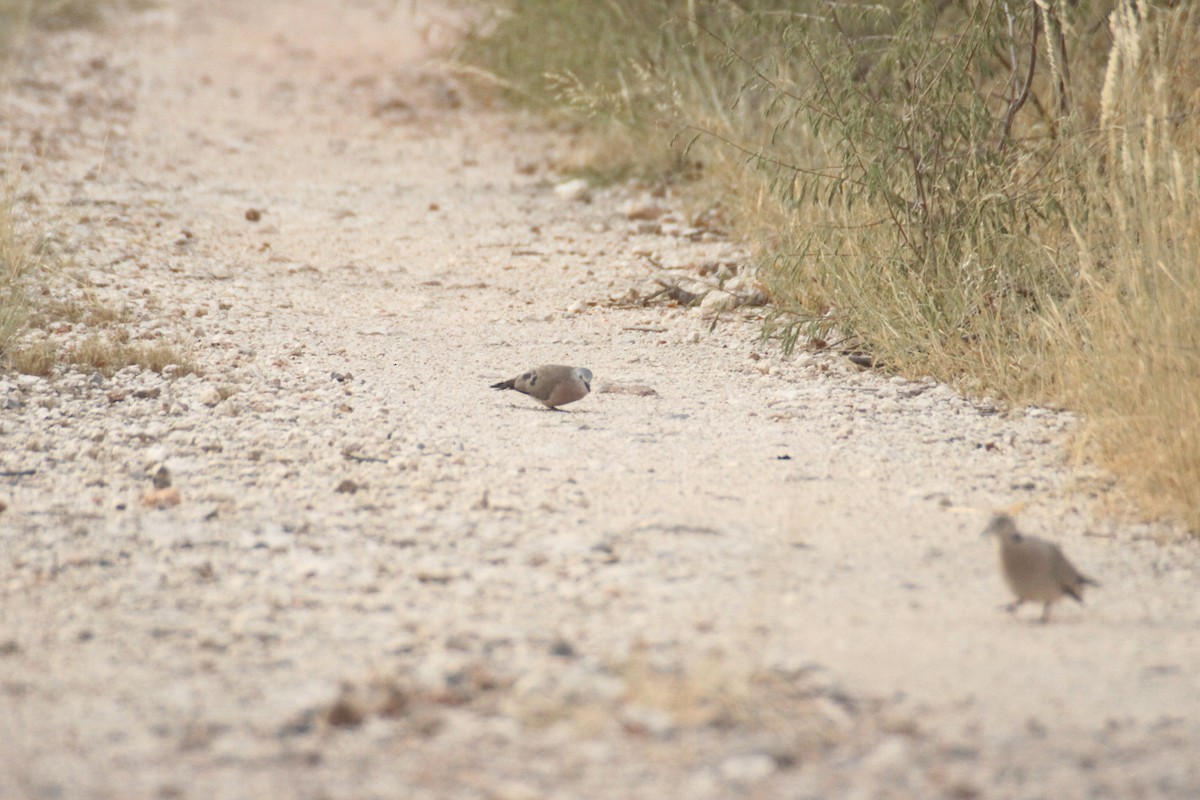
553,384
1036,570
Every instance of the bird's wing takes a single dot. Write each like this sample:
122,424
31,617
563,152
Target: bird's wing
1065,574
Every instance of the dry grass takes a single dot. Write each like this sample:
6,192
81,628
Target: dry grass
38,292
21,264
17,16
1130,355
36,358
909,183
84,308
107,354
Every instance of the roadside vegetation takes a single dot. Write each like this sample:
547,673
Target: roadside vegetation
1004,194
43,295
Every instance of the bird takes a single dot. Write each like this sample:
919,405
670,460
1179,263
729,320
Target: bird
553,385
1036,570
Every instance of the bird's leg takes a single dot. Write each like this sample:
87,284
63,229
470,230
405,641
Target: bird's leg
1045,614
1013,606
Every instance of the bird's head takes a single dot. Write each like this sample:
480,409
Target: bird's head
1001,526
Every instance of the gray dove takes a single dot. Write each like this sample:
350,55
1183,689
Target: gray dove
1036,570
553,384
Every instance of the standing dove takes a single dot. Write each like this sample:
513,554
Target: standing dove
553,384
1035,570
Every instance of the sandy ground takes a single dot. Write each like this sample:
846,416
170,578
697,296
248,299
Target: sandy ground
726,573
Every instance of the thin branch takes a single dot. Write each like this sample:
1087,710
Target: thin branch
830,174
1019,101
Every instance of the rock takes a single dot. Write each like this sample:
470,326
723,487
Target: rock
574,191
642,210
717,302
747,768
162,478
210,396
893,754
653,721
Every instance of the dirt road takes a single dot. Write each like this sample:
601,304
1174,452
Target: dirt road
724,573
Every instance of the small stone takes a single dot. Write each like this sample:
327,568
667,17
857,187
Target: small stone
642,210
574,190
210,396
162,478
747,768
253,215
653,721
347,486
717,302
891,755
345,713
563,649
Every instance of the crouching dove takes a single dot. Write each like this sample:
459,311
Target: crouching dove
1035,570
552,384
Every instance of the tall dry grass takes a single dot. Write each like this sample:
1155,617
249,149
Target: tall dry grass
1000,194
17,16
20,262
1131,360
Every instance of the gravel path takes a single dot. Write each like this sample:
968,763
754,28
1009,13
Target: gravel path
725,573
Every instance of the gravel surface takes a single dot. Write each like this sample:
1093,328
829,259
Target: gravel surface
334,564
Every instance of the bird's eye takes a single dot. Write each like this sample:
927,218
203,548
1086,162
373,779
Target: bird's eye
531,377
